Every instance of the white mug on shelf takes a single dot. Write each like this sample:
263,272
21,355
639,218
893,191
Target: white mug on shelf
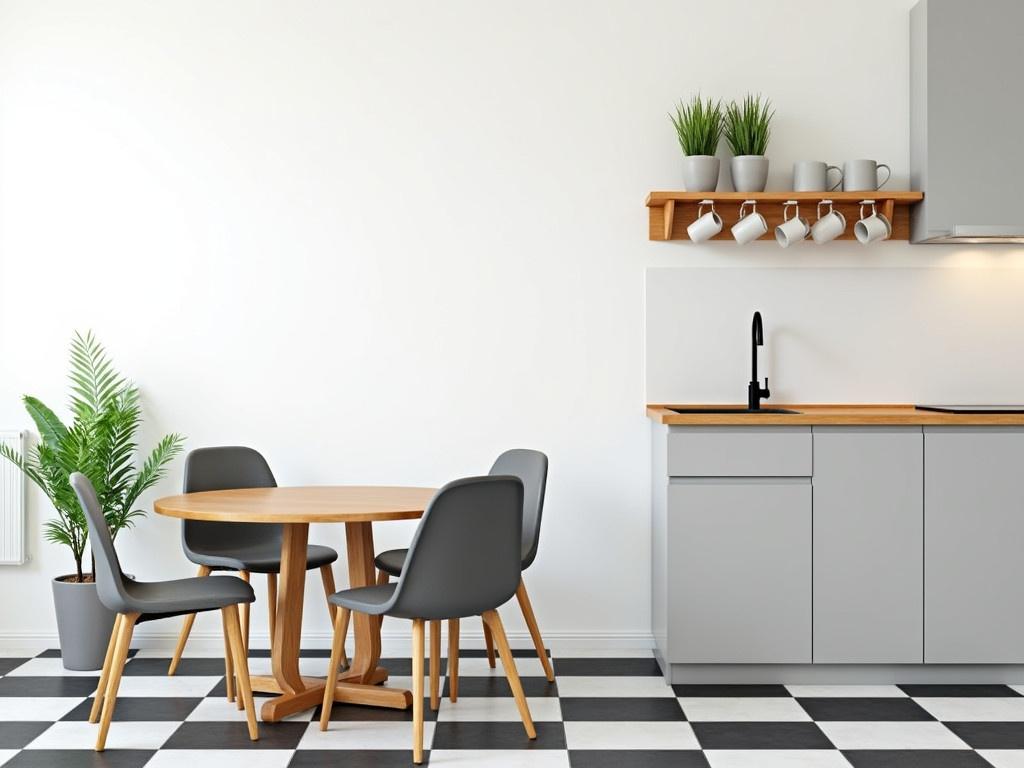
828,227
871,229
862,175
706,225
812,176
791,230
751,225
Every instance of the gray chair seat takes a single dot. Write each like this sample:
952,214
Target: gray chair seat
167,598
370,600
257,557
392,561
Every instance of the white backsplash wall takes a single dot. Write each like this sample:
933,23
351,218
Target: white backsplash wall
837,335
383,242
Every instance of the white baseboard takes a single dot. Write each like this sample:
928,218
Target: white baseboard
395,643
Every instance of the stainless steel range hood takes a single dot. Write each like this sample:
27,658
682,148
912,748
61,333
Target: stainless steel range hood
967,121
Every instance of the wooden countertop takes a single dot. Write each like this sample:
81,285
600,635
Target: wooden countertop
811,414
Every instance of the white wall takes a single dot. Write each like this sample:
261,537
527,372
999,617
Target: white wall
382,242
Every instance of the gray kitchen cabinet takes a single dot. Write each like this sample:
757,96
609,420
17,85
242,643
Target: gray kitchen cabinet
974,532
738,570
868,529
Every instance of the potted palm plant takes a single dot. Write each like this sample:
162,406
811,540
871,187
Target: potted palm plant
99,443
699,125
747,130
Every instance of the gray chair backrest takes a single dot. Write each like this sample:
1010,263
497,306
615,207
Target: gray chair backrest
219,469
465,556
532,468
108,574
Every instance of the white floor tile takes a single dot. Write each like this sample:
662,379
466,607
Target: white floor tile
1018,688
500,758
48,668
364,735
1004,758
846,691
7,754
627,735
977,708
891,735
742,709
221,758
528,666
492,708
569,686
218,709
190,653
311,667
776,758
122,735
184,686
39,709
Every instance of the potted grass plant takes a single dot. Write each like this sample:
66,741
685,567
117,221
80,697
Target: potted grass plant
100,443
699,123
747,131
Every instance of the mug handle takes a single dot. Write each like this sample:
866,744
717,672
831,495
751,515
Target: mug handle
840,182
888,174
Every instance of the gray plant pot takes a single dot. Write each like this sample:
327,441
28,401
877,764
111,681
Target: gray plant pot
749,173
83,624
700,173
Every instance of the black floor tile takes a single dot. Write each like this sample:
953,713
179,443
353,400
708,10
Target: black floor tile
141,708
147,667
607,667
861,709
915,758
54,653
403,667
497,735
626,709
356,713
7,663
519,653
234,735
990,735
691,689
355,758
19,733
37,687
637,758
760,736
958,690
80,758
498,686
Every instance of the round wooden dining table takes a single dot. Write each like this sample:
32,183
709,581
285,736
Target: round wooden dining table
358,507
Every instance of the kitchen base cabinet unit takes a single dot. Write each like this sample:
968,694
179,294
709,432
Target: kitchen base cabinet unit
884,544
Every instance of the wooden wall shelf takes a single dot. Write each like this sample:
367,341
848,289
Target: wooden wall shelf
670,213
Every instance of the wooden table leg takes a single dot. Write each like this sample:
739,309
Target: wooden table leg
361,573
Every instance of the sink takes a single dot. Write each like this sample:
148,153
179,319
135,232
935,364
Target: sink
726,409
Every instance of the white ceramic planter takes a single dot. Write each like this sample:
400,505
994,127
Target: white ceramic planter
749,173
700,173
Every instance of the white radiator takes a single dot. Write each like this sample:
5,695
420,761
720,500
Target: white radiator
12,503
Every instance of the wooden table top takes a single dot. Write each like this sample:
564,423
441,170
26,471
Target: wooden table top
839,414
300,504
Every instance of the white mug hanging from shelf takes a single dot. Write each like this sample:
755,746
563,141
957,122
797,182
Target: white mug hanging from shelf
828,227
706,225
791,230
751,225
871,229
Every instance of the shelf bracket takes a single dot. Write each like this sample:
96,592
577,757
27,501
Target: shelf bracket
889,209
669,215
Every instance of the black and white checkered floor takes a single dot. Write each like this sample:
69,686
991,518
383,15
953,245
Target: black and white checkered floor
603,711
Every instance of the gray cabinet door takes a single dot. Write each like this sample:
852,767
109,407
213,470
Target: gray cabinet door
739,571
868,539
974,545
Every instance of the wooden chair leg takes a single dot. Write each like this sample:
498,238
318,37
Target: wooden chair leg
489,643
337,651
241,664
327,576
125,628
453,660
243,612
417,691
383,577
435,665
186,628
531,623
272,606
101,688
509,663
229,667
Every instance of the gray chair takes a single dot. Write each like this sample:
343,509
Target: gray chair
135,602
243,547
464,560
532,468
